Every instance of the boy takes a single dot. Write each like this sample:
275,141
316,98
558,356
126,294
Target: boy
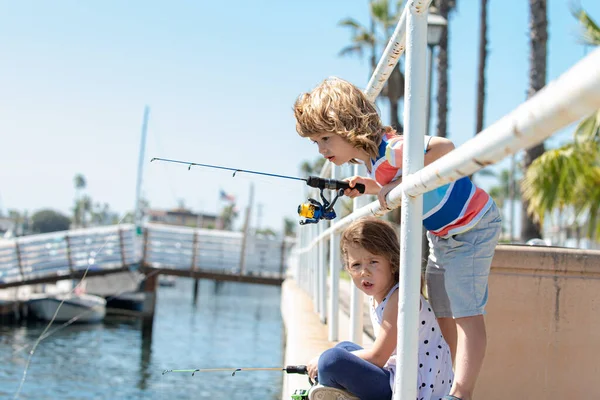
462,220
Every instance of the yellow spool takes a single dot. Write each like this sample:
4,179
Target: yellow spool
306,210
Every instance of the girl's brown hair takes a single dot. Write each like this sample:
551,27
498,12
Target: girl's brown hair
377,237
337,106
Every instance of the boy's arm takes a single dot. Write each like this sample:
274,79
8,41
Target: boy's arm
385,343
437,147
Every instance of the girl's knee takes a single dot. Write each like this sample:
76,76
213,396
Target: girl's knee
332,360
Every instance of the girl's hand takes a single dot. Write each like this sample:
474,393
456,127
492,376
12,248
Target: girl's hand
384,192
352,181
313,368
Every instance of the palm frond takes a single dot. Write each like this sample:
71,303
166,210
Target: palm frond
589,129
352,23
590,30
549,181
351,50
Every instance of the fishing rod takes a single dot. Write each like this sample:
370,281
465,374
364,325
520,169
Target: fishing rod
290,369
313,210
299,394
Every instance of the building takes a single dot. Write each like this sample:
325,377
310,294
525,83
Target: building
182,217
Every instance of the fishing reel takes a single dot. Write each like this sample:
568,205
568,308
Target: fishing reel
314,211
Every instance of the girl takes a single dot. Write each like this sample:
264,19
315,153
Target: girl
370,253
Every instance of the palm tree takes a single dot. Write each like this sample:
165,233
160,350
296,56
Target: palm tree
538,38
80,184
445,7
569,177
481,66
383,19
228,215
307,168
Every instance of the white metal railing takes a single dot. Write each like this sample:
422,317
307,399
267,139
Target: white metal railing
63,253
571,97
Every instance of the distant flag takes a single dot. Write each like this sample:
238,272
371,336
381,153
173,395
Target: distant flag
227,197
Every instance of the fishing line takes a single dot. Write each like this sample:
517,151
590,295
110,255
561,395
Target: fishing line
39,339
77,317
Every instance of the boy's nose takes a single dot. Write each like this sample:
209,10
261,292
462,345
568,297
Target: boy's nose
322,149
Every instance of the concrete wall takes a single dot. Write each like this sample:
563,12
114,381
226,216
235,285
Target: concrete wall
543,323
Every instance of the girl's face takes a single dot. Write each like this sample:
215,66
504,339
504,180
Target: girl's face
335,148
370,273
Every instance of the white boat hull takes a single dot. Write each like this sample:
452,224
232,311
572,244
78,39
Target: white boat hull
83,307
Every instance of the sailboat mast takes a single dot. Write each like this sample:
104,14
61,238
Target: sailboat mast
137,217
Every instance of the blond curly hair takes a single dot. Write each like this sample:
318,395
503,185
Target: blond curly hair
337,106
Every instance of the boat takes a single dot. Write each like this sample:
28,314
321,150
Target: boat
83,307
132,301
166,281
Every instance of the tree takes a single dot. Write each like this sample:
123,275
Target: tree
80,184
481,67
83,207
307,168
538,39
44,221
289,227
502,192
569,177
383,21
445,7
228,215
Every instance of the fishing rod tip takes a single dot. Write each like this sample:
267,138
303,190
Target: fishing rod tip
153,158
165,371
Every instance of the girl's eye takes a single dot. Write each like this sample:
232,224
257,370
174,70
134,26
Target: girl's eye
325,138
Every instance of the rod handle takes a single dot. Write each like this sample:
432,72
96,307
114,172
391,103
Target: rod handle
296,369
332,184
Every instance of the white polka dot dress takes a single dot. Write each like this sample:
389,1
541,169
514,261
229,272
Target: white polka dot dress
435,362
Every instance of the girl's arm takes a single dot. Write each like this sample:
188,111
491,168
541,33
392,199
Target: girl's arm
385,343
438,147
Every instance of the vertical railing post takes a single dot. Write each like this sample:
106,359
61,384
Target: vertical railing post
122,246
334,273
356,296
19,259
322,278
193,266
314,255
412,207
145,248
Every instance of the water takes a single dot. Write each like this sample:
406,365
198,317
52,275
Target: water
233,325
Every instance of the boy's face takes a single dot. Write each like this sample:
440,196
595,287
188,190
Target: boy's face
335,148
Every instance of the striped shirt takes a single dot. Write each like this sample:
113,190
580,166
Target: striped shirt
448,210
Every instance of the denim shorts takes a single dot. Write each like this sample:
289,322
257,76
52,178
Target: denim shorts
459,265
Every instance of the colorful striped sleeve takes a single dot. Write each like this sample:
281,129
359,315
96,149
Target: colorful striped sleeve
395,147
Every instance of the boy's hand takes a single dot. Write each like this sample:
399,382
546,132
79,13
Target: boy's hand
313,368
384,192
371,186
352,181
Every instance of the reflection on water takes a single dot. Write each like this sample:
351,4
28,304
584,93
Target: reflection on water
232,325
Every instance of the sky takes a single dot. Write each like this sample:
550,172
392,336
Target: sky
220,79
